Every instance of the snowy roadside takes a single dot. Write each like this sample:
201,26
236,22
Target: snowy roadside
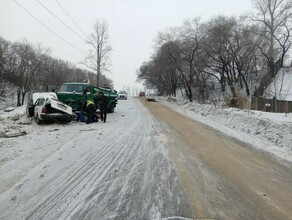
12,122
270,132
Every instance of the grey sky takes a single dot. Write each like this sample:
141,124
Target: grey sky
133,25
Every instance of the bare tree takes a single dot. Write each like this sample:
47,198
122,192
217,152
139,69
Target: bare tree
159,73
183,45
285,40
24,63
233,58
4,46
192,55
98,58
54,72
30,68
167,60
227,49
218,45
273,17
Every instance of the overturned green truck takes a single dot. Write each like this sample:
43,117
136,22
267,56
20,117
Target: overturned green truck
72,95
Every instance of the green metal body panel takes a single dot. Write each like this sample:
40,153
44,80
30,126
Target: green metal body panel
72,95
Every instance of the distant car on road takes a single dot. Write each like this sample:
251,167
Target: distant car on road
141,94
122,95
151,97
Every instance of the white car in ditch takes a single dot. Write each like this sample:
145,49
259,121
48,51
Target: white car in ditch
46,107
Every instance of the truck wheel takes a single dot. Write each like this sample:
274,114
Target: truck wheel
111,108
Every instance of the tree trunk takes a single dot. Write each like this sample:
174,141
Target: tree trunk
98,73
23,97
18,97
233,91
268,78
190,93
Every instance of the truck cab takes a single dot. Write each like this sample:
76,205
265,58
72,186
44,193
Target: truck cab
73,95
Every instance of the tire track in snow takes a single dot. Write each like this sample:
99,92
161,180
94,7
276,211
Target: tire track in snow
151,192
100,164
99,167
126,176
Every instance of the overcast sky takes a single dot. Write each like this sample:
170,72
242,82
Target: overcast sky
133,25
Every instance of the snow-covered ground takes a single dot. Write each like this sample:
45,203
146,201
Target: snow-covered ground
111,170
271,132
84,171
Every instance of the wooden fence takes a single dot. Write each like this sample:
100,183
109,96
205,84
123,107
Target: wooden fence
271,105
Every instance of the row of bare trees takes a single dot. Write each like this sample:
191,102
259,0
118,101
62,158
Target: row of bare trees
31,68
242,54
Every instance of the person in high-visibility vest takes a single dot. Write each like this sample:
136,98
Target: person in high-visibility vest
90,106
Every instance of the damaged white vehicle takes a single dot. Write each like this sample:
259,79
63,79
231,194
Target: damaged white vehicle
46,107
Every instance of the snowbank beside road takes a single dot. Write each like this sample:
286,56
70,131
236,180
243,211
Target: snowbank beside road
271,132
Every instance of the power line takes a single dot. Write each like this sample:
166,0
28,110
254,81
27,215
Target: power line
60,20
71,18
48,27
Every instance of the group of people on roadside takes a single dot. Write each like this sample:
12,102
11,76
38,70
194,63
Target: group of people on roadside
91,103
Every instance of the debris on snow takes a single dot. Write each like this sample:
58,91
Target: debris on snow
9,109
4,135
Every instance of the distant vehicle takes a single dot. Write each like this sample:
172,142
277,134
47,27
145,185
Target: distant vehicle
151,97
123,95
141,94
72,95
47,108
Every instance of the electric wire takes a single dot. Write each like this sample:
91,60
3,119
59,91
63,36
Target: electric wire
71,18
60,20
48,28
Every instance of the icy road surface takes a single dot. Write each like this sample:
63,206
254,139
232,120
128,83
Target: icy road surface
146,162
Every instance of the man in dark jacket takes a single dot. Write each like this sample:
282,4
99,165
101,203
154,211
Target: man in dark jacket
102,102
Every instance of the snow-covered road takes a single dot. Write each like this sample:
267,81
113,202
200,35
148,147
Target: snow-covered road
113,170
146,162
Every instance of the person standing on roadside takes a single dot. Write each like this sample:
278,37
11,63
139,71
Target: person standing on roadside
90,106
102,102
